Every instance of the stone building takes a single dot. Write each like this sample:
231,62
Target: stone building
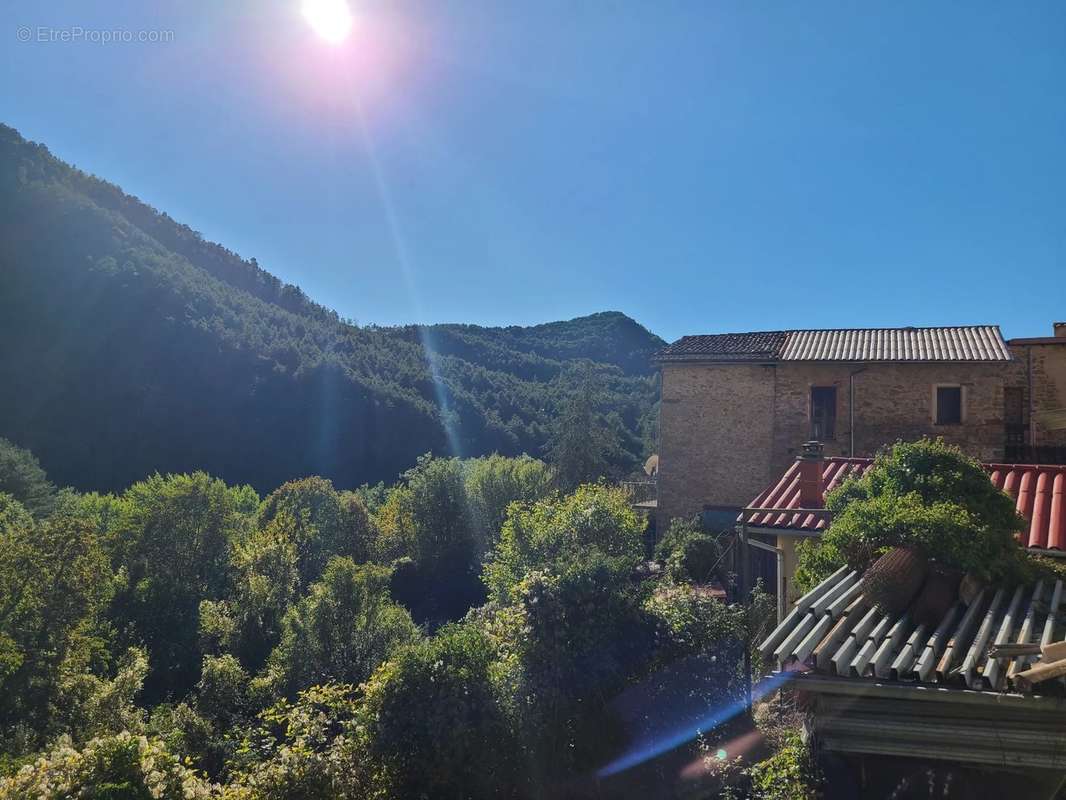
737,407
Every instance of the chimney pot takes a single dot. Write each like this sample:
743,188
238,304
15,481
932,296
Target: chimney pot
1060,329
811,462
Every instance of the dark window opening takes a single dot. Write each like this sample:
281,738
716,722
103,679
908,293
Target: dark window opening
823,413
949,405
1014,415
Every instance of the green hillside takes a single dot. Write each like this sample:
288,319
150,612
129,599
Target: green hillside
128,344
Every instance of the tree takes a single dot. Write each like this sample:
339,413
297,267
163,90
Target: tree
174,539
580,635
925,494
427,519
327,523
551,532
433,724
341,631
21,477
54,580
580,445
691,554
266,583
493,483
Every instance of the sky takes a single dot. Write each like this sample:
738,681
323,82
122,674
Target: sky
701,166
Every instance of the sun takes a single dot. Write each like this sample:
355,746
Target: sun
330,19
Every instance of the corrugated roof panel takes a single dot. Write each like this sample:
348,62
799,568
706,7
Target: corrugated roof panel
839,633
977,343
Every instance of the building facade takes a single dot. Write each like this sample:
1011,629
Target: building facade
736,408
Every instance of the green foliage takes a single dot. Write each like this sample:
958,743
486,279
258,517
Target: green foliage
174,541
298,750
580,635
581,443
492,484
432,723
175,628
691,554
789,774
267,582
926,494
120,767
21,477
322,522
54,579
341,631
557,530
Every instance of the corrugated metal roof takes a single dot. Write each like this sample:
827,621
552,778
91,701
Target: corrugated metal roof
835,630
1039,493
976,343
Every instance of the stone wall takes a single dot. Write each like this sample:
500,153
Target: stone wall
715,436
1046,364
728,430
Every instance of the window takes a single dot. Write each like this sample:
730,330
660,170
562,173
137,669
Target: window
948,405
823,412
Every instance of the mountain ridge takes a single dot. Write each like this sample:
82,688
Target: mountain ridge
135,345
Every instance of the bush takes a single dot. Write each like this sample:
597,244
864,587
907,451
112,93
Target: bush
926,494
789,774
690,554
562,529
120,767
432,721
300,750
341,631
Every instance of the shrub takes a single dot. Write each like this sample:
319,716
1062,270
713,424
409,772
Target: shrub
120,767
300,750
789,774
341,631
689,553
926,494
432,723
595,518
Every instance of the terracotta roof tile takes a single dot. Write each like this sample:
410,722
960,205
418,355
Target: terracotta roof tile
1038,491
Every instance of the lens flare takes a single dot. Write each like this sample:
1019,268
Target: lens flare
330,19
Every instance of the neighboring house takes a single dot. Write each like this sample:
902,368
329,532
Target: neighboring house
1038,491
737,407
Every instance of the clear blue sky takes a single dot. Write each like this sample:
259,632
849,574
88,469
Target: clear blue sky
702,166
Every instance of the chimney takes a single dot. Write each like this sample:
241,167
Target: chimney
1060,329
811,462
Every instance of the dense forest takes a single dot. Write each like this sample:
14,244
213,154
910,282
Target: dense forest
475,630
129,344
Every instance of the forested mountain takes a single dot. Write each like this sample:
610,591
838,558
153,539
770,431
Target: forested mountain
128,344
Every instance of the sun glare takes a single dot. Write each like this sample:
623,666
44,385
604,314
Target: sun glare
330,19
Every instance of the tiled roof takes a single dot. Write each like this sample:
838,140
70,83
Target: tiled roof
835,630
976,343
1039,493
765,346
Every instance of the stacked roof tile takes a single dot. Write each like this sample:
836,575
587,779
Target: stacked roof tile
976,343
